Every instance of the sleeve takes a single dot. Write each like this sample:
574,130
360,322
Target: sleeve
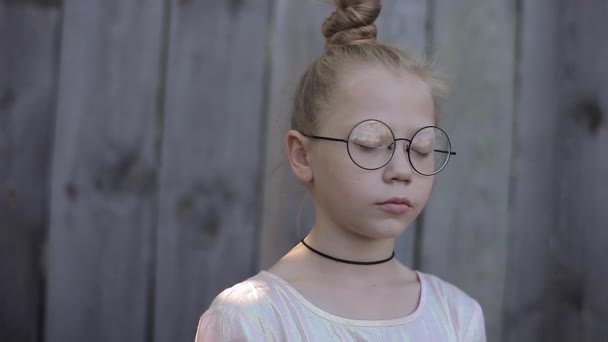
476,330
227,324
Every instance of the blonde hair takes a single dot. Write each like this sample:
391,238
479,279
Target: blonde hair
350,35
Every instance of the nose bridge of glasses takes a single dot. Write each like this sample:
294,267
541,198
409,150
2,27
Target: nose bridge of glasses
404,149
406,144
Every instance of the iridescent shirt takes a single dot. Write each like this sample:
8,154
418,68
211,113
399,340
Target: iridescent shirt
265,307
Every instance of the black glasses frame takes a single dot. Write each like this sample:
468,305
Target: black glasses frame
449,152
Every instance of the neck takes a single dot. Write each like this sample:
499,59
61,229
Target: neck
341,243
346,261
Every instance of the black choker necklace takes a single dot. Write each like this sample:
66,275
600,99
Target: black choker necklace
348,261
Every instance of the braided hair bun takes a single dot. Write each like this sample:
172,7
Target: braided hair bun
352,22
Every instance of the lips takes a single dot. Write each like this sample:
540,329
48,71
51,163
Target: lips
398,200
396,205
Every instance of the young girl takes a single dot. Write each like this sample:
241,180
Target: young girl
364,143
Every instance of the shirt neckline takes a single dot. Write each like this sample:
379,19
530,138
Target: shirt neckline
355,322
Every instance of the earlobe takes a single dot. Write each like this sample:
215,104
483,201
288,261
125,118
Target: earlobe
299,156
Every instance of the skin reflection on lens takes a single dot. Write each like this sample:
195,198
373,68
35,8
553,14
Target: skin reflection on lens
370,144
372,134
424,141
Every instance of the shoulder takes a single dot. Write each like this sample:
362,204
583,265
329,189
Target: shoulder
446,290
465,313
236,312
248,293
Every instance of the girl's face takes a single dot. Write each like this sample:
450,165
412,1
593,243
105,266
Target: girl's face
349,196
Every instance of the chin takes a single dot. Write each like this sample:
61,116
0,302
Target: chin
385,229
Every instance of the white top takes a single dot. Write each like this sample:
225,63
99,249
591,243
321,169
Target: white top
265,307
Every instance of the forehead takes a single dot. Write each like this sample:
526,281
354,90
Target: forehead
397,97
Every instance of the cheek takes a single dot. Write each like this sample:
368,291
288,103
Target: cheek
424,188
338,177
329,161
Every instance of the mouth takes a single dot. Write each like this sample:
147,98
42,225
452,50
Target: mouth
396,205
398,200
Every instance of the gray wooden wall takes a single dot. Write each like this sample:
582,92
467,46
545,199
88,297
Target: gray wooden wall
142,168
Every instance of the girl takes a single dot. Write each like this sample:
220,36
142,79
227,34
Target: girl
364,143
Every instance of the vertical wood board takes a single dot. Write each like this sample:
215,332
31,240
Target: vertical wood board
210,193
103,185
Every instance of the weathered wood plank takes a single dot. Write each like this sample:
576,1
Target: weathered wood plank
29,45
556,280
536,153
212,157
297,41
578,305
467,219
103,188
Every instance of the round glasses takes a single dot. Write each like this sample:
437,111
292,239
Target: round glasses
371,144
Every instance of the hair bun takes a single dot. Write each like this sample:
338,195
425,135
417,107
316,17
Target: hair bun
352,22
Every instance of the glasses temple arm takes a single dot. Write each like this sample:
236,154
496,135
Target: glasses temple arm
443,151
325,138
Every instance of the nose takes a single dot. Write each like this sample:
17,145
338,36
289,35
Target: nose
399,167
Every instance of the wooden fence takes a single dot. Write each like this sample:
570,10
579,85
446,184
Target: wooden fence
141,160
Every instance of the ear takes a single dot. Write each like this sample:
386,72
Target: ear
298,153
